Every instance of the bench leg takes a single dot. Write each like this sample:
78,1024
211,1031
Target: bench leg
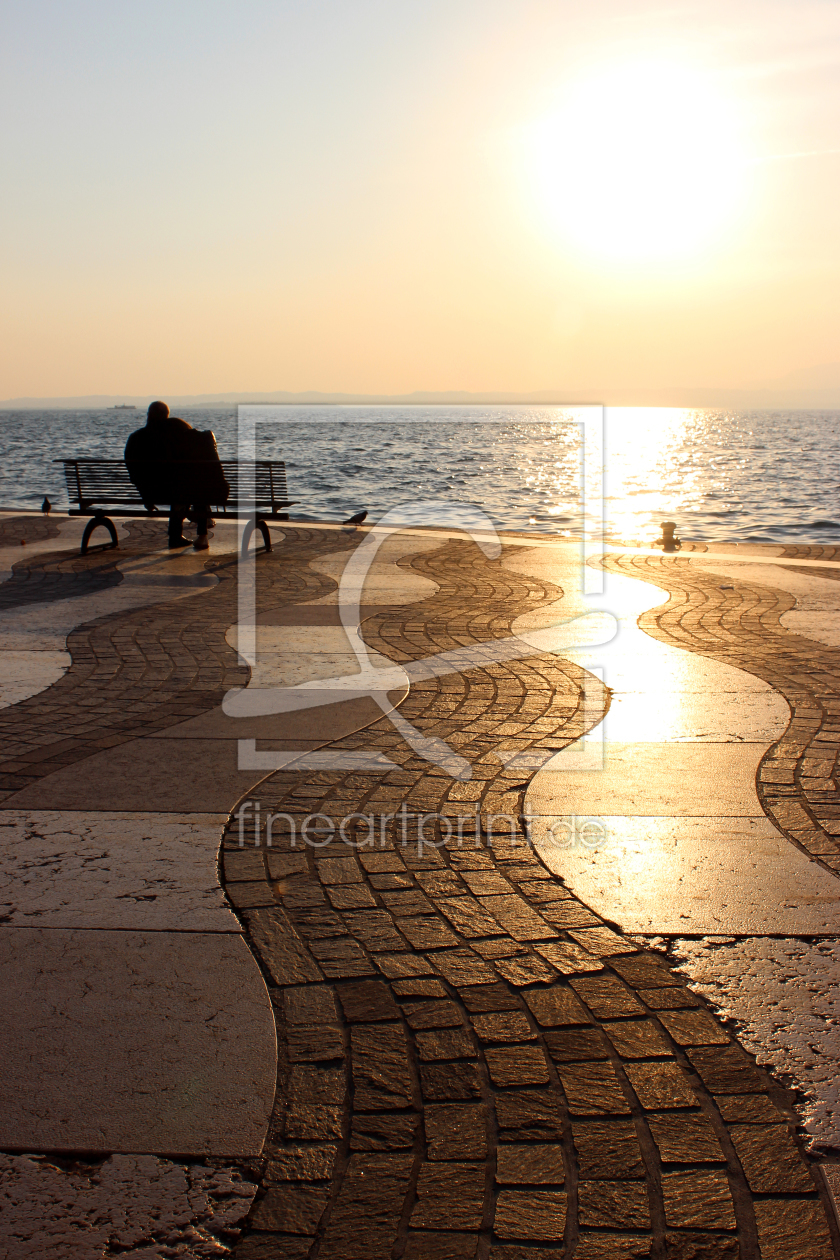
91,526
248,531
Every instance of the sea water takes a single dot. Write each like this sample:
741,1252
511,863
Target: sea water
720,475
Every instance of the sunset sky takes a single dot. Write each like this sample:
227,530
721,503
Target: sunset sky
372,197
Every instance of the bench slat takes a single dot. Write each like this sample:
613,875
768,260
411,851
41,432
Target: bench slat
102,481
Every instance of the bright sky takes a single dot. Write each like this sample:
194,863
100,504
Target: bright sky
370,196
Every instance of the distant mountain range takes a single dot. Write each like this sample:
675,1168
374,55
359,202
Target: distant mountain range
815,388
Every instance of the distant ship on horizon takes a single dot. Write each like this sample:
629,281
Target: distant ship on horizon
123,407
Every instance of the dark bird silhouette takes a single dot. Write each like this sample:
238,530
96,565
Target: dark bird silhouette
357,519
46,506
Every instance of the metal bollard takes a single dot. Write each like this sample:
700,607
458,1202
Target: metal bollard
669,540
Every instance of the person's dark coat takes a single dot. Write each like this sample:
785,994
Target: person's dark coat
171,462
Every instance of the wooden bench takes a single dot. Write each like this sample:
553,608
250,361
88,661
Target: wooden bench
258,494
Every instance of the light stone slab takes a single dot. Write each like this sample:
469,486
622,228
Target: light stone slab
662,876
386,582
784,996
666,779
150,872
135,1042
45,626
24,674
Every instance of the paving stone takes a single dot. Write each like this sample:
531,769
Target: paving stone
573,1045
701,1246
455,1131
489,997
313,1004
468,917
607,1149
281,949
339,871
443,1082
614,1204
603,942
462,968
365,1217
524,969
390,882
419,988
291,1208
660,1085
748,1109
427,933
592,1089
569,959
529,1115
307,1085
350,897
367,1001
792,1227
426,1245
383,1131
446,1043
503,1026
247,894
386,861
770,1160
381,1075
516,917
534,1164
698,1200
685,1138
441,884
486,883
449,1196
555,1006
302,1163
534,1214
606,996
398,966
313,1043
568,915
313,1123
665,999
340,958
604,1246
642,971
636,1038
498,946
434,1014
726,1070
375,930
516,1065
693,1028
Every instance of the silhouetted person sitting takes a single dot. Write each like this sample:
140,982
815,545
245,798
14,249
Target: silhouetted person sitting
171,462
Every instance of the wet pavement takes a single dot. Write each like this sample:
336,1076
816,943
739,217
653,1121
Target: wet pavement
522,942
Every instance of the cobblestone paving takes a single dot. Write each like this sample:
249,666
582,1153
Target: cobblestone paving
471,1062
14,529
738,622
137,672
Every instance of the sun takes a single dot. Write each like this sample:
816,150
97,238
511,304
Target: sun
641,160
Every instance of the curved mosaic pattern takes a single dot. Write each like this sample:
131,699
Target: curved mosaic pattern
140,671
740,624
472,1063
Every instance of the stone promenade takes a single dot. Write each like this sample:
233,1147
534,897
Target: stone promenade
450,914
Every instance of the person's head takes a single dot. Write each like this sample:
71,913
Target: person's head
157,412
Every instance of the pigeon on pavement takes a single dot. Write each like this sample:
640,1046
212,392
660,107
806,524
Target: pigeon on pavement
357,519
